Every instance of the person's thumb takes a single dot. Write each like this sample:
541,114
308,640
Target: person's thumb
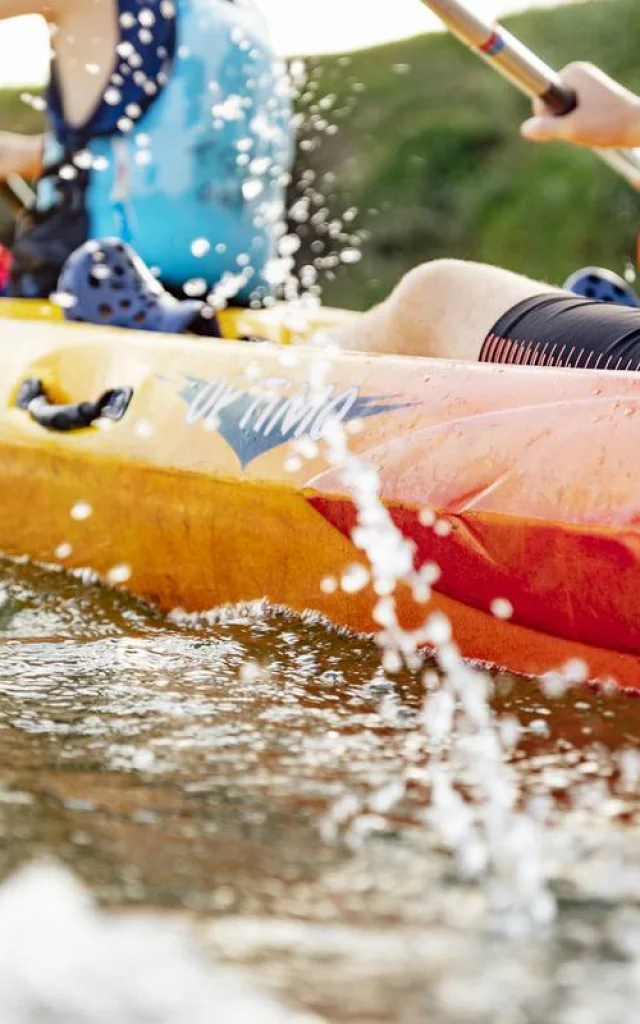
541,129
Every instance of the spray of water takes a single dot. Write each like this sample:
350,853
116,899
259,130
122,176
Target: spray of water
473,792
62,959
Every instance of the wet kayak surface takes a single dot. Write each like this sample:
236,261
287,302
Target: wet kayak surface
257,777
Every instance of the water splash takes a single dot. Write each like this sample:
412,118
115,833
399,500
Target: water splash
61,959
473,791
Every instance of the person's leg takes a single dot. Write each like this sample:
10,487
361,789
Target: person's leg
562,329
445,308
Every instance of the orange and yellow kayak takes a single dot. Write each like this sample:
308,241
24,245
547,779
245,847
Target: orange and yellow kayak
522,484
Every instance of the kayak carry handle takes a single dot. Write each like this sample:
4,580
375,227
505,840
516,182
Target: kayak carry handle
33,398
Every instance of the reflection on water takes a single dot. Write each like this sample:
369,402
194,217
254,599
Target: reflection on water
182,768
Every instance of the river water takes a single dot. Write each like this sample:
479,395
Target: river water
171,849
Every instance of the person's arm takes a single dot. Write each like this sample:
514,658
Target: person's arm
16,8
607,114
20,154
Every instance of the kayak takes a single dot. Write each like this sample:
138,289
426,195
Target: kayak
520,483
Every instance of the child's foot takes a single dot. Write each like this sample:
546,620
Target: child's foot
603,285
106,282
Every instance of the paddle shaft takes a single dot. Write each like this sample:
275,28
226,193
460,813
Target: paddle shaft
526,71
16,194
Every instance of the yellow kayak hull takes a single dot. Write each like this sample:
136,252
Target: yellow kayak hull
215,487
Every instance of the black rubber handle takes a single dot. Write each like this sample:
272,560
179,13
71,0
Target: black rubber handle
560,100
33,398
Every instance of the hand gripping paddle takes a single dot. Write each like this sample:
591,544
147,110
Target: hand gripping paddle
526,71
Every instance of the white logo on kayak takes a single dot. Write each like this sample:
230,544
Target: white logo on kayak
271,412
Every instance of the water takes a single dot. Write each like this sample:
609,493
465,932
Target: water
187,772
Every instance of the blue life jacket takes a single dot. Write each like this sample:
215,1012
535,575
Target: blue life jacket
186,157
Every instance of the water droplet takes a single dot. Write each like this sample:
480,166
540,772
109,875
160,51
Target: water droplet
252,188
384,613
501,608
232,109
354,579
442,528
251,672
351,255
83,159
300,211
200,247
438,629
65,300
119,574
289,245
144,430
276,272
81,510
260,165
195,287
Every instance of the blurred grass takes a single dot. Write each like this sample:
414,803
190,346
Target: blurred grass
431,145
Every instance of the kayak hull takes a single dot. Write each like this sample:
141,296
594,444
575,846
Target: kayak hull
216,488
